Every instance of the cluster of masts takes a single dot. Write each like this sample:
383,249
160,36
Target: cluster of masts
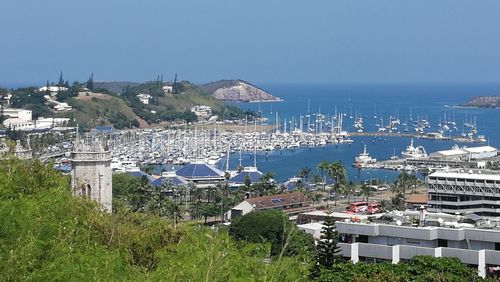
414,124
157,146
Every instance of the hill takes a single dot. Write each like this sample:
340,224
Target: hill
92,109
237,91
117,103
114,86
483,102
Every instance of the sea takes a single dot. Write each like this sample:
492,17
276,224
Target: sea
435,103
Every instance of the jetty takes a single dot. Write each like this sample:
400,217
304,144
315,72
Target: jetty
429,136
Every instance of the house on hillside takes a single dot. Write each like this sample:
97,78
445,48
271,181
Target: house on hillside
290,203
52,89
144,98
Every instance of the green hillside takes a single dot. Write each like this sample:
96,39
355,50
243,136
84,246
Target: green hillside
117,104
101,109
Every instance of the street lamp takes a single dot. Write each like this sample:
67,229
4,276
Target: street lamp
371,177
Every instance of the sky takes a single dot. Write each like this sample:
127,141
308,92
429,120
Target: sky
261,41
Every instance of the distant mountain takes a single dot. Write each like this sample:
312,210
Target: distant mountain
237,91
483,102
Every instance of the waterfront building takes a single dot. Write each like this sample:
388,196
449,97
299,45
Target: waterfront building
91,171
296,183
168,177
465,153
249,171
464,191
201,174
290,203
396,241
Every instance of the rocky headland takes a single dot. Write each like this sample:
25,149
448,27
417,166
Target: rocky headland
238,91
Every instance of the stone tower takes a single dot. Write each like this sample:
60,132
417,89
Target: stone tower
91,171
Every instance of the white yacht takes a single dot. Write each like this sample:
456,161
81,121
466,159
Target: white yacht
414,152
363,159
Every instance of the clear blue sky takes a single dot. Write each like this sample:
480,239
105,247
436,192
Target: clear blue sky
262,41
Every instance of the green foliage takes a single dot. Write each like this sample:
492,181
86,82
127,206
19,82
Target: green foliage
47,234
272,227
328,251
30,98
420,268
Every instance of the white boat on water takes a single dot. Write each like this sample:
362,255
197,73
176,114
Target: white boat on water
412,152
363,159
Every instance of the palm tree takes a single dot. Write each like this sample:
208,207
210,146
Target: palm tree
304,172
337,172
323,167
173,211
366,191
348,190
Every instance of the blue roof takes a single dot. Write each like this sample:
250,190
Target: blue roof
104,128
174,180
292,185
138,173
62,168
199,170
240,177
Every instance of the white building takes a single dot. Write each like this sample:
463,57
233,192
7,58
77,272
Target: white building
144,98
167,89
374,242
60,107
21,114
202,111
52,89
464,191
18,124
50,122
483,152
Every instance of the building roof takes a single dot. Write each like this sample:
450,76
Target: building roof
138,173
199,170
484,175
448,153
252,173
176,180
293,183
481,149
103,128
277,200
417,199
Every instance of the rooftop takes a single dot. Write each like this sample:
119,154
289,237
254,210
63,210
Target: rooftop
277,200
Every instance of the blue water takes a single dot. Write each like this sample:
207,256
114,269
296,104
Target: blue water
430,102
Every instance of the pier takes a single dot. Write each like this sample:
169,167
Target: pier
417,136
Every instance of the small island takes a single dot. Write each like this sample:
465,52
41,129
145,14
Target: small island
483,102
237,91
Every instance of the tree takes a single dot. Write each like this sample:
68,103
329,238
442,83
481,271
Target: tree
173,211
90,82
337,172
328,251
348,190
323,167
274,228
366,191
304,172
247,182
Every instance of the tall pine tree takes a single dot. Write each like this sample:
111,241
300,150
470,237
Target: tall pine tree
328,251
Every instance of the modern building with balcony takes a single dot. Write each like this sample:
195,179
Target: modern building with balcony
464,191
395,242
